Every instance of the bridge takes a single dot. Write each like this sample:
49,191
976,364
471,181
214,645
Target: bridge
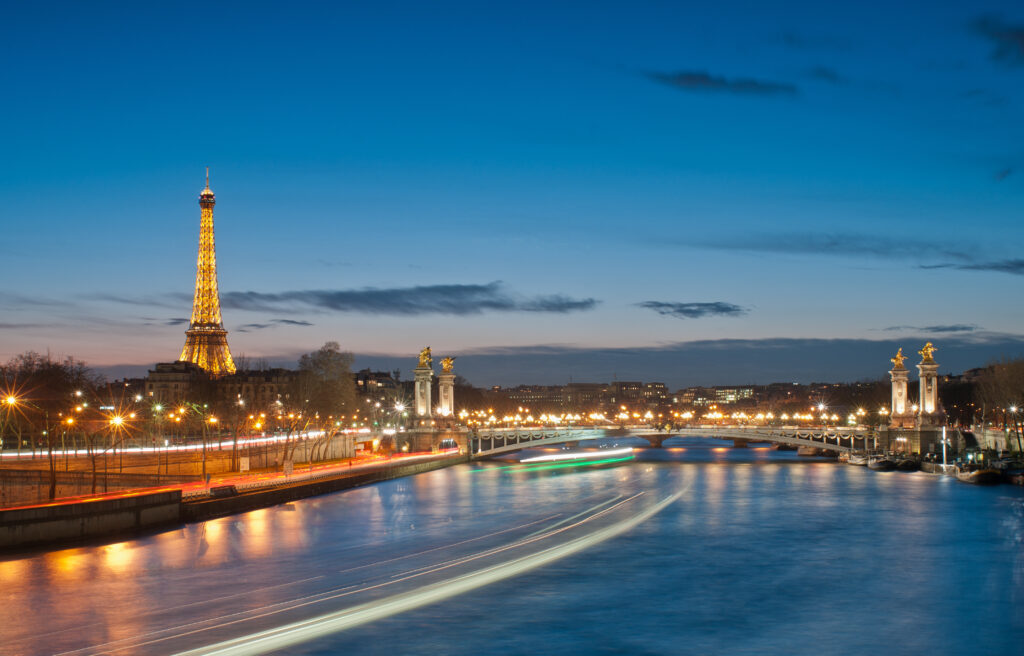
492,442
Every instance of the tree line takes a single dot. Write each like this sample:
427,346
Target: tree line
52,405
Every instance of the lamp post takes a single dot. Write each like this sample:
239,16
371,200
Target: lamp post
114,424
10,403
211,421
1016,428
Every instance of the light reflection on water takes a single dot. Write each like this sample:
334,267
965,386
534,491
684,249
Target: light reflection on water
766,552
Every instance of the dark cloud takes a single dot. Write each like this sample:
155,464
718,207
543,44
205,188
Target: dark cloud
168,300
177,321
17,300
826,74
836,244
682,364
272,323
427,299
1002,174
702,81
711,362
961,257
1014,266
1008,40
951,328
805,42
984,97
19,326
694,310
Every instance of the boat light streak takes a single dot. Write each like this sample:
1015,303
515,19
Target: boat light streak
296,633
580,456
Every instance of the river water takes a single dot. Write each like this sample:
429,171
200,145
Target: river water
694,548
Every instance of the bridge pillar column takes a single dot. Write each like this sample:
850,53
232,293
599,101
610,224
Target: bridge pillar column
423,376
738,443
900,415
446,394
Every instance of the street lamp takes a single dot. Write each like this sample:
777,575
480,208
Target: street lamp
1016,428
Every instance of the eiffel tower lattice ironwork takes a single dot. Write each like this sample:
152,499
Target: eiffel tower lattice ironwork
206,341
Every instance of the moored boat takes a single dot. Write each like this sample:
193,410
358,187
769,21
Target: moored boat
881,463
980,476
908,464
1012,469
857,459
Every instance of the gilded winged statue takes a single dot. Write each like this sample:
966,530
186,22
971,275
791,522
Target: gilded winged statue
898,360
447,364
425,359
926,353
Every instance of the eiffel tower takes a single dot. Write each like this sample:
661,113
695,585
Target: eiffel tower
206,341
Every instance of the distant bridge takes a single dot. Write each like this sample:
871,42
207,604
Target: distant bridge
491,442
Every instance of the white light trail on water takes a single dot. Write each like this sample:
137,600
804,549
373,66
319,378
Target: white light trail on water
595,455
298,632
208,623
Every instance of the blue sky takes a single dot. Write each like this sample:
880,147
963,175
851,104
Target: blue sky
529,182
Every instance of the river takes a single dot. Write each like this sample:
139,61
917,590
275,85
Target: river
695,548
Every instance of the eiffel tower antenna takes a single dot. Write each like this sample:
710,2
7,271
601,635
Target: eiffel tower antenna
206,341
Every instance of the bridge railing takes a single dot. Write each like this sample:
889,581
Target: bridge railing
501,440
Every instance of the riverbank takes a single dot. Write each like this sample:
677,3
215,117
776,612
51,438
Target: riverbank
136,512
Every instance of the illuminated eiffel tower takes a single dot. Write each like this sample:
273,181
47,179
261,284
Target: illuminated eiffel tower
206,341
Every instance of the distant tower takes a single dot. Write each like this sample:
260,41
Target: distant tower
206,341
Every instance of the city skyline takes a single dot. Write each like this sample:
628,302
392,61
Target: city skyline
645,194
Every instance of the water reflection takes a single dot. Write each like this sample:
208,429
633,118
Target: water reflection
765,552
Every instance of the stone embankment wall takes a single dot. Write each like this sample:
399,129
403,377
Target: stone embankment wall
25,527
62,523
193,511
22,487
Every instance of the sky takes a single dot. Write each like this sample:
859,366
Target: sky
694,193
